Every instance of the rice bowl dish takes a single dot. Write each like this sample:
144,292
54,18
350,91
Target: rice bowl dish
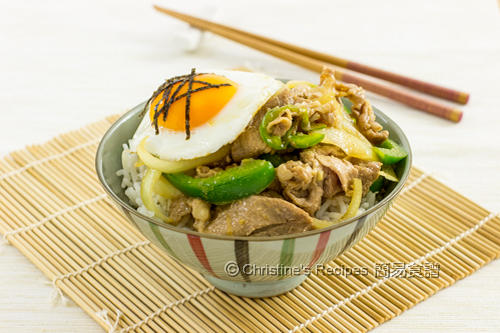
243,154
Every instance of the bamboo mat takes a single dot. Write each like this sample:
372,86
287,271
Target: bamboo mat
53,210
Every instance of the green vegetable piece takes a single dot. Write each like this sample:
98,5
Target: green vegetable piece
388,144
274,141
299,140
303,141
318,127
304,116
387,171
250,177
390,152
377,184
275,159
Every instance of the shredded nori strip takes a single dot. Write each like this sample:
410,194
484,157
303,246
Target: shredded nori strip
168,99
188,102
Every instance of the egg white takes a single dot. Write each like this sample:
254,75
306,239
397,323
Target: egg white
253,91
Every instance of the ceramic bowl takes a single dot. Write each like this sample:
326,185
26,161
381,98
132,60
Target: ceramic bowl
245,266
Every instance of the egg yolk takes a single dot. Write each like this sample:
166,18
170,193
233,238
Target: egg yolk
204,105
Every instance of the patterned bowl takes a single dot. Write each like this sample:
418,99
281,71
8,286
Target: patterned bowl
245,266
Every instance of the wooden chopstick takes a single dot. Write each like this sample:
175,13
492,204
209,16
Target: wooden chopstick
308,62
426,87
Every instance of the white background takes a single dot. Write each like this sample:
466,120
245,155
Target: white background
66,64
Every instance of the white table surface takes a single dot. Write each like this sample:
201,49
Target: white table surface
65,64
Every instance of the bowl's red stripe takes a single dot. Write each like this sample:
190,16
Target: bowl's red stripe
199,251
320,247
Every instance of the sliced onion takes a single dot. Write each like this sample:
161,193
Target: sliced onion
165,189
320,224
149,180
347,124
167,166
350,144
357,193
388,173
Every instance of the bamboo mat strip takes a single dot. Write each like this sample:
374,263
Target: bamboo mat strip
385,279
53,209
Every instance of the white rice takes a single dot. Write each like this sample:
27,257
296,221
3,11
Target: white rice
331,210
132,178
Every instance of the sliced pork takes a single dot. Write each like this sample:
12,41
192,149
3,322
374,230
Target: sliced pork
259,216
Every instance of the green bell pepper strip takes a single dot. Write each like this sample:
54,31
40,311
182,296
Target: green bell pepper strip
300,140
390,152
303,141
317,127
347,109
377,184
250,177
273,141
304,115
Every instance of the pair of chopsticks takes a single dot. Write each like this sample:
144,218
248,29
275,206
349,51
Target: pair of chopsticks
316,61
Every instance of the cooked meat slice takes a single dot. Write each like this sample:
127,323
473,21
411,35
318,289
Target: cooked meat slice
367,172
325,113
320,113
361,108
271,194
249,143
327,78
281,124
221,164
303,93
201,213
367,124
259,216
344,170
281,229
331,184
325,149
307,97
275,186
282,97
302,184
320,173
306,182
204,171
179,208
184,206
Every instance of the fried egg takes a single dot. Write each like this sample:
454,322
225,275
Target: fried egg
217,116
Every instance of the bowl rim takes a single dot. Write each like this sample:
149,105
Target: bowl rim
124,205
